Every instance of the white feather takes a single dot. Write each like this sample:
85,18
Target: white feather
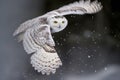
28,43
45,62
81,7
35,32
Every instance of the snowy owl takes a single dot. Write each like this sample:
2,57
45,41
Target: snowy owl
36,36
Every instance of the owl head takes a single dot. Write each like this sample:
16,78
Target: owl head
57,23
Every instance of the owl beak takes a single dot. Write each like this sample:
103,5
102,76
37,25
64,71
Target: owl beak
59,26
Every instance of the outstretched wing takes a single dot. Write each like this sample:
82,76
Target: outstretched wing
30,23
81,7
38,37
38,40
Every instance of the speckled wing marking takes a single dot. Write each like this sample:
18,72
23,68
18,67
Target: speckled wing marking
38,40
45,62
81,7
29,24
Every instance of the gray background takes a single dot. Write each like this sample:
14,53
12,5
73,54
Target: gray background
89,47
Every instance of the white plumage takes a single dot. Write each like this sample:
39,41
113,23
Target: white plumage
45,62
36,34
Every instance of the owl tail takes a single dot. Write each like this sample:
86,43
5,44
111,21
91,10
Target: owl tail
45,62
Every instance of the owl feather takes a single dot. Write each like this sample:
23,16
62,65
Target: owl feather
36,34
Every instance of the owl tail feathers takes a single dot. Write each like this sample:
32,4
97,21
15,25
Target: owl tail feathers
45,62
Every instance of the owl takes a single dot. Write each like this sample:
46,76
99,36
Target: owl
36,34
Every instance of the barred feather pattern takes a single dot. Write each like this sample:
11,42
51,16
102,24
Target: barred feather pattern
40,20
44,58
45,62
81,7
37,39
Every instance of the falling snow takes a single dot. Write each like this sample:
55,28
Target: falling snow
89,56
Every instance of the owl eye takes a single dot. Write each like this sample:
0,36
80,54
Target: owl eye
55,22
63,21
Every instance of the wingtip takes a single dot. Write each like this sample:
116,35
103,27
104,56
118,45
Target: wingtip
14,33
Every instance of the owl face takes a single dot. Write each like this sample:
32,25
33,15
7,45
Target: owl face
57,23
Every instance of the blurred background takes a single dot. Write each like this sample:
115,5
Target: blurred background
89,47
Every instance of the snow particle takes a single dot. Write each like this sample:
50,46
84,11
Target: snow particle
99,35
105,68
89,56
82,71
95,71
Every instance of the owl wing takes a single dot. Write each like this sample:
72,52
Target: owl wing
38,40
29,23
38,37
81,7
